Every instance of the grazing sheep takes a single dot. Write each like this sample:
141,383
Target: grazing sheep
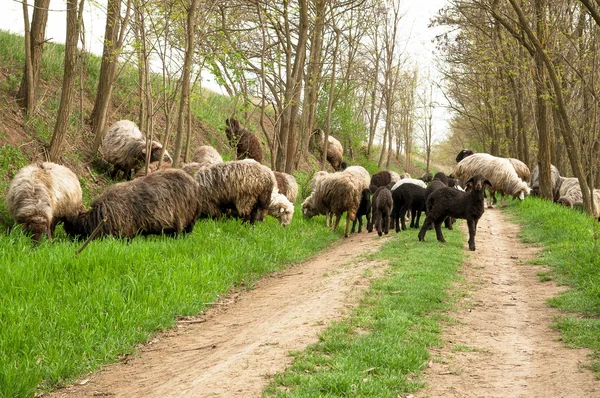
380,179
383,204
449,202
535,181
246,143
521,169
287,185
364,209
335,151
316,180
335,194
281,208
208,155
360,173
164,202
244,186
569,191
41,195
463,154
414,181
408,197
152,167
124,146
499,171
192,167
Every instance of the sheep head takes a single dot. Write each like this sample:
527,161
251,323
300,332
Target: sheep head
37,226
463,154
477,183
308,208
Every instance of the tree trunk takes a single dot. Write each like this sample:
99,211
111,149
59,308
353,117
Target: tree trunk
113,41
36,46
74,13
29,97
185,84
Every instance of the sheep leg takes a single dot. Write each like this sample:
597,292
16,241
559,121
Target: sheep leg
368,217
386,224
348,219
418,212
337,221
426,225
115,171
472,228
328,218
357,219
448,223
403,211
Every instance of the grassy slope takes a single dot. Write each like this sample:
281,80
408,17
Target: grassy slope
380,350
571,242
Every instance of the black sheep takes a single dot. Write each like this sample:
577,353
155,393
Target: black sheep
408,197
463,154
364,209
449,202
440,180
382,210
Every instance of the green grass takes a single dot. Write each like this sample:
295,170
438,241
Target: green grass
571,248
381,349
62,314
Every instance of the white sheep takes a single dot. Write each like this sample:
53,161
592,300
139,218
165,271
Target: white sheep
414,181
41,195
281,208
360,173
287,185
207,155
335,151
499,171
124,146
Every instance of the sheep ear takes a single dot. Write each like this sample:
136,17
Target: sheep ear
469,181
144,151
487,182
281,210
521,196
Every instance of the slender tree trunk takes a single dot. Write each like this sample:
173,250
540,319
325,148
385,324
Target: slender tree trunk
29,97
36,46
74,12
331,91
140,33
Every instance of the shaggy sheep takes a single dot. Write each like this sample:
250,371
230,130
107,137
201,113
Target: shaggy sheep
395,176
152,167
364,209
316,180
192,167
535,181
380,179
335,151
569,191
449,202
208,155
414,181
335,194
244,186
124,146
382,211
499,171
408,197
360,173
164,202
521,169
463,154
246,143
41,195
287,185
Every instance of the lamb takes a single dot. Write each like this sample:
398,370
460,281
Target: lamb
287,185
555,177
426,177
152,167
246,143
124,146
244,186
335,194
499,171
207,155
335,151
463,154
449,202
408,197
164,202
380,179
382,211
41,195
440,180
364,209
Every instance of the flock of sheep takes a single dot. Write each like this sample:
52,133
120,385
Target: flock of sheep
169,200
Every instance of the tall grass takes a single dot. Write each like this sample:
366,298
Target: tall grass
571,242
63,314
381,349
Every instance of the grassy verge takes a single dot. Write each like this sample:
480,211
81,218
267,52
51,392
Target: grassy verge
571,248
63,314
380,350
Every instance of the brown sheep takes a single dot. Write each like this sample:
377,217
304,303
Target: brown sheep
246,143
41,195
162,202
335,151
244,186
152,167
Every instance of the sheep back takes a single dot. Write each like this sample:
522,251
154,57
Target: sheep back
247,144
382,206
361,174
414,181
162,202
207,154
521,169
535,181
336,193
152,167
287,185
380,179
335,150
41,195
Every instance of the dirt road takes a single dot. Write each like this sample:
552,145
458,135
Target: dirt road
502,344
246,337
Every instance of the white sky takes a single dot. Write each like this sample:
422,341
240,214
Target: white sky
414,30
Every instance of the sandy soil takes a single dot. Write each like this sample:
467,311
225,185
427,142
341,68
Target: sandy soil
232,349
502,344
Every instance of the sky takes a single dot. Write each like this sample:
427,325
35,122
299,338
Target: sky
414,31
